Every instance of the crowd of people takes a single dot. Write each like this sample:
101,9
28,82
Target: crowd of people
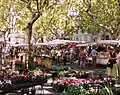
75,55
59,56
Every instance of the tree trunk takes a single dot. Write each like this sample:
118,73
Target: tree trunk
57,36
115,34
42,40
3,59
30,50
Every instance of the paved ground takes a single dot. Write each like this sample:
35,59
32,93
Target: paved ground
48,89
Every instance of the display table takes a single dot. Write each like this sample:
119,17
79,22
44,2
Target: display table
102,61
44,59
23,57
20,86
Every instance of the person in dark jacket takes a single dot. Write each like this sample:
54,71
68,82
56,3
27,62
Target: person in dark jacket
112,68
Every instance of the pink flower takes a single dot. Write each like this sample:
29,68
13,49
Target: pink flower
58,83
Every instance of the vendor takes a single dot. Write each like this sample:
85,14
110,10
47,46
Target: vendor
112,68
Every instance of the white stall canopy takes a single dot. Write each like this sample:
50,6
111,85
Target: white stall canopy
111,42
59,41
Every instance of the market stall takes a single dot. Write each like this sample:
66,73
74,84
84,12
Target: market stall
21,82
101,47
102,51
59,41
108,42
43,60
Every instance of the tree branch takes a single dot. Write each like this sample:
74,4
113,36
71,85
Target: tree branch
29,7
119,2
54,33
37,5
24,1
89,7
88,11
36,17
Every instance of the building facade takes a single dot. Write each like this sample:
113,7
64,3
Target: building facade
83,37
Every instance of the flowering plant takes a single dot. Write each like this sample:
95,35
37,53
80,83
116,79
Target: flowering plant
25,79
19,79
65,83
5,84
59,86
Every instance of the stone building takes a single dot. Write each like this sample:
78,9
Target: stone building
82,37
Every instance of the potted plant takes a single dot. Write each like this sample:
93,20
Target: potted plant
76,90
59,87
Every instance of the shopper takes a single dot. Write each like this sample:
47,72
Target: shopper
83,59
58,54
94,57
118,61
72,56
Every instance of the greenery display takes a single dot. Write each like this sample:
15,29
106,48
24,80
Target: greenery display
5,86
85,86
76,90
71,73
77,74
19,67
27,79
58,87
19,82
60,68
47,19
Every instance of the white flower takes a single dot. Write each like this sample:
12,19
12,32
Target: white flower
8,81
1,82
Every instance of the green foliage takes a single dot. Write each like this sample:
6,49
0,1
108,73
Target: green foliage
116,91
106,16
103,17
76,90
4,14
60,68
58,88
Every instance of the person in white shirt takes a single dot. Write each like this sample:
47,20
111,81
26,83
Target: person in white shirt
118,57
72,53
53,55
118,61
58,54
